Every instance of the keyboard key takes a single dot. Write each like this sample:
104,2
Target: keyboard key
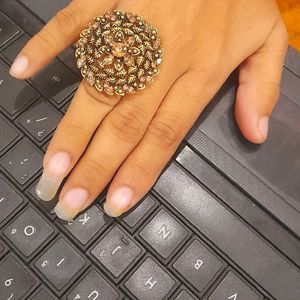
28,231
184,295
93,286
8,134
45,9
150,282
86,225
56,81
222,227
164,233
40,120
2,249
116,251
198,265
139,212
7,30
15,281
9,200
42,295
60,263
13,50
15,94
233,288
23,161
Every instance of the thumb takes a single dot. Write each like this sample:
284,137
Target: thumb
259,81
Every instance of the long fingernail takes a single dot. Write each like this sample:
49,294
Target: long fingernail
119,202
19,66
53,175
71,204
263,126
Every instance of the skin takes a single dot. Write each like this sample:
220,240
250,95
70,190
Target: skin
130,139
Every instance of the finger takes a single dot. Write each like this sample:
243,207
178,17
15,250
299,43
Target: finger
72,136
259,81
60,32
116,137
176,115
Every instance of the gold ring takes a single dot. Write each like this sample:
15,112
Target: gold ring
119,53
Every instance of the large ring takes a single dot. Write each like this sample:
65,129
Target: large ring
119,53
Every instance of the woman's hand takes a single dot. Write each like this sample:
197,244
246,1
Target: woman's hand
131,138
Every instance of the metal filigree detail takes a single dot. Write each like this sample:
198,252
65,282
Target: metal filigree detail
119,53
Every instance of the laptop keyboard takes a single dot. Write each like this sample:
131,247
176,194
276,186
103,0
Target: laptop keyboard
173,245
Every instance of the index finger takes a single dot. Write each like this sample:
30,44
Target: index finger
60,32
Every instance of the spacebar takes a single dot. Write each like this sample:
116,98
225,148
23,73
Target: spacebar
266,266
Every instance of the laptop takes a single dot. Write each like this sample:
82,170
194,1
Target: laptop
221,223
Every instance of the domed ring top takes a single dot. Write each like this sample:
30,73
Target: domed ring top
119,53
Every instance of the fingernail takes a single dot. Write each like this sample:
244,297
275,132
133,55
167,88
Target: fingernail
263,126
19,66
71,204
53,175
118,202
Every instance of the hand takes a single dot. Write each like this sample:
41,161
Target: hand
130,139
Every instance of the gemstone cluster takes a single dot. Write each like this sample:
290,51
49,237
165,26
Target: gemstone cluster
119,53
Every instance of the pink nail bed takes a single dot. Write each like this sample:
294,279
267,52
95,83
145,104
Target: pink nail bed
59,163
75,198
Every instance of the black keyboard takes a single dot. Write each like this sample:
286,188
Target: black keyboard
181,242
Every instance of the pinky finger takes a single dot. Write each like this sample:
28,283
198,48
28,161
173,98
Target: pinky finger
140,170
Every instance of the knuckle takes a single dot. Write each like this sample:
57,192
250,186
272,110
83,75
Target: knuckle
143,171
67,21
46,39
164,133
95,167
272,90
126,124
72,130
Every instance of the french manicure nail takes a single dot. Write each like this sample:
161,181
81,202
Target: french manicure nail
53,175
119,202
263,126
19,66
71,204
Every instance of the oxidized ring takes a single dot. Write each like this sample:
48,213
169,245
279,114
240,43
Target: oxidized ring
119,53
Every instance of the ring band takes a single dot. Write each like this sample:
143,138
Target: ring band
119,53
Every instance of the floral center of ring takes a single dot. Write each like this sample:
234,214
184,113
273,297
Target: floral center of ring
119,49
119,53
